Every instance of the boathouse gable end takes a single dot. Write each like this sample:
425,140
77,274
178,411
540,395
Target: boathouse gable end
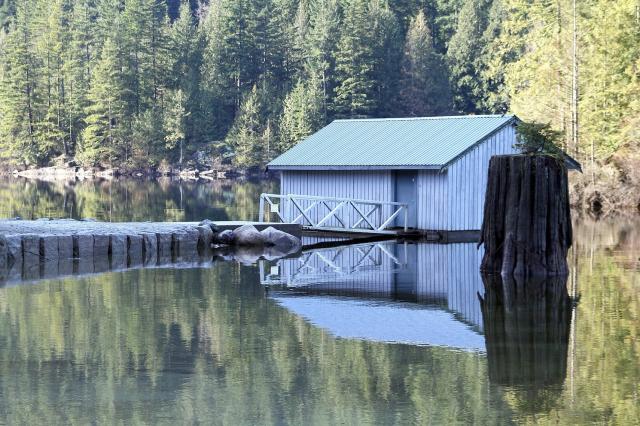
439,165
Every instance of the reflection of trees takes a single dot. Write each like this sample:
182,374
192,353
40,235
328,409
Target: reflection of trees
155,345
526,325
603,360
132,200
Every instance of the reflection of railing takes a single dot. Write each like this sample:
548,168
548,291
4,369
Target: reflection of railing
346,263
330,213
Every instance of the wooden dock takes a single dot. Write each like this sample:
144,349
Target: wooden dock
49,248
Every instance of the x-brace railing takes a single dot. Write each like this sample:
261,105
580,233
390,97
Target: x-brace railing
333,212
344,262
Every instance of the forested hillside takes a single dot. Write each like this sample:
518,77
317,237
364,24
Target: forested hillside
135,82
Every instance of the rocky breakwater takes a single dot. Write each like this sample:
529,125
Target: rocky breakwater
35,249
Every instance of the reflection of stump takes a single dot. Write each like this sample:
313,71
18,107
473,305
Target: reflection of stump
526,326
527,224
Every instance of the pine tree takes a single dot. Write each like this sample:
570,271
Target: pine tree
175,122
80,63
246,137
609,83
445,22
302,114
494,56
277,41
232,56
322,40
424,87
53,130
102,138
7,10
463,56
355,92
230,60
539,75
185,62
18,90
387,49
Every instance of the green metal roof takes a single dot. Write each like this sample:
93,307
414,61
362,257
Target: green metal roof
429,143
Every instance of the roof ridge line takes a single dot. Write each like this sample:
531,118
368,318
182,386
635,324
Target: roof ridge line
442,117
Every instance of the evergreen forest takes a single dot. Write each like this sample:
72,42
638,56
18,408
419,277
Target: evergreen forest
137,83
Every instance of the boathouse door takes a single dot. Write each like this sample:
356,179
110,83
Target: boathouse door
407,192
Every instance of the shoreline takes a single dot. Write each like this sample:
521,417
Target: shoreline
227,174
66,173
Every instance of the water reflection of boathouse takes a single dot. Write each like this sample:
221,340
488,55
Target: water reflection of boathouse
440,276
428,294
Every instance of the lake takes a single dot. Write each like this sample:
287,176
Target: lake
386,333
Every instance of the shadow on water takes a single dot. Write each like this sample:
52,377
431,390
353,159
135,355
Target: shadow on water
527,326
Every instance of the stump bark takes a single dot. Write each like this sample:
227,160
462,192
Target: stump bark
526,229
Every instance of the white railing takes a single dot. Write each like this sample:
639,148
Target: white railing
350,263
337,214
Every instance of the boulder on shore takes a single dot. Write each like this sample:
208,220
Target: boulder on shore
248,235
210,224
225,238
280,240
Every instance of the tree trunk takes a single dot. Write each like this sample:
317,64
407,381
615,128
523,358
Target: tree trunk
527,221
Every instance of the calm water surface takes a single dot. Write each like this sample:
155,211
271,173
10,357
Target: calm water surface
378,334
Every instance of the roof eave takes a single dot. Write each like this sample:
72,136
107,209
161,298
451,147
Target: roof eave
279,167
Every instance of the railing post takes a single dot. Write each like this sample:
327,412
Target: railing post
406,217
261,213
286,206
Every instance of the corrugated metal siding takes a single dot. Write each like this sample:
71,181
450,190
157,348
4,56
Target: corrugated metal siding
454,199
433,207
365,185
467,180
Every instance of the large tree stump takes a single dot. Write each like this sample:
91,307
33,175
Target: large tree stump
527,221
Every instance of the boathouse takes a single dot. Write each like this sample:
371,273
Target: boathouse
437,166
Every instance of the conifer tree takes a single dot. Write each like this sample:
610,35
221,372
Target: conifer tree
185,61
53,130
355,92
387,49
494,56
424,88
302,114
19,112
175,122
80,61
322,39
103,135
246,137
463,56
7,9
